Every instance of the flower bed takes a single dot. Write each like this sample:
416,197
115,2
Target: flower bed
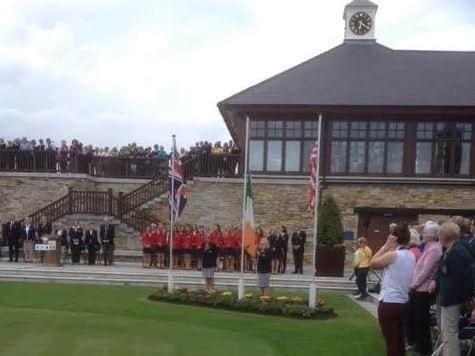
285,306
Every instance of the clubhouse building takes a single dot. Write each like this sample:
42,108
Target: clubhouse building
397,134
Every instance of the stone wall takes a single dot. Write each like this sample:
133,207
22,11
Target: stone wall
21,196
212,203
350,196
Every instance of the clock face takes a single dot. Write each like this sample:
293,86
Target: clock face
361,23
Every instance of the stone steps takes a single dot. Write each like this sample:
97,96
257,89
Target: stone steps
131,274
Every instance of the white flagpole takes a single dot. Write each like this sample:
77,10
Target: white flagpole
171,286
312,295
246,155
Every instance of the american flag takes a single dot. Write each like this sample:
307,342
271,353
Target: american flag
177,194
312,165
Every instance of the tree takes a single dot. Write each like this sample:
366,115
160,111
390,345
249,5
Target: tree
330,227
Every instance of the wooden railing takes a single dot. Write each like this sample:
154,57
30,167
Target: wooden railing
70,162
124,207
212,165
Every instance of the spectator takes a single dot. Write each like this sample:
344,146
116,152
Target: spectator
362,261
398,264
454,285
420,298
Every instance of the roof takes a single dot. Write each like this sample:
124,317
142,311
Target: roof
365,73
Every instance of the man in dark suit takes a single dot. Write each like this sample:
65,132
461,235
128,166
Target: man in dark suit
28,238
107,235
11,235
76,240
298,248
92,244
45,228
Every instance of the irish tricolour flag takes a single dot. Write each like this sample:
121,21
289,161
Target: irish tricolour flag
249,230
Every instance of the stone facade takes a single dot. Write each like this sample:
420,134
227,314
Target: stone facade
350,196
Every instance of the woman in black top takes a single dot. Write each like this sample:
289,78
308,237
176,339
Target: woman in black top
273,240
264,267
283,246
209,254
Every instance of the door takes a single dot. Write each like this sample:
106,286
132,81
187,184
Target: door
376,227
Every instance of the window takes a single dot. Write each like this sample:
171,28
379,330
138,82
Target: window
375,147
275,129
274,156
377,129
396,130
338,157
376,157
257,129
463,148
357,156
256,155
443,148
395,157
292,156
340,129
293,129
358,129
423,158
311,129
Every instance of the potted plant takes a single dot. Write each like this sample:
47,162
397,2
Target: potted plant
330,258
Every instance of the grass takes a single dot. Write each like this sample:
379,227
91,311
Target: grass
54,319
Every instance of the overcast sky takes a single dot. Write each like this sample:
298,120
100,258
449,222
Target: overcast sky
109,72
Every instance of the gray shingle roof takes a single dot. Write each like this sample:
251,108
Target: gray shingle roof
369,74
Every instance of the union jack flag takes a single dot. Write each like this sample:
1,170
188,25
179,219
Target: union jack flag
177,195
312,165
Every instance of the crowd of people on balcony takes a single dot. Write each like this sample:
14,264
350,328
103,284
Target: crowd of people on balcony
132,150
428,281
22,154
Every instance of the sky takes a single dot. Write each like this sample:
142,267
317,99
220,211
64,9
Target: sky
110,72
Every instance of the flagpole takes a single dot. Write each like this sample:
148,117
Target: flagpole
172,217
246,155
312,295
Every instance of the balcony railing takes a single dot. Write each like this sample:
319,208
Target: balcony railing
70,162
212,165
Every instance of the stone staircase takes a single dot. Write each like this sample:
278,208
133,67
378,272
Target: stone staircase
131,274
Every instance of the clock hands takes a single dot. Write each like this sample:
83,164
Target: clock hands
362,24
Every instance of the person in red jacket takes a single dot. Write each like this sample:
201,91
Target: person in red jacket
200,240
177,246
216,238
236,248
186,245
154,243
146,246
228,249
194,247
161,242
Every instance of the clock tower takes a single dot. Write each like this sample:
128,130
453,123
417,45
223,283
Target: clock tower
360,16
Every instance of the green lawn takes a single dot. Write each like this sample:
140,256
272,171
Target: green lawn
63,320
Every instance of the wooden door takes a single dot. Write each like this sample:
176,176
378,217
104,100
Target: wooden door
376,227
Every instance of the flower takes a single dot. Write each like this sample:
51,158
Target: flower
283,299
227,294
297,299
265,298
320,302
248,295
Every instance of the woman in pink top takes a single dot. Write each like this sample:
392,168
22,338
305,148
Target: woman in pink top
424,272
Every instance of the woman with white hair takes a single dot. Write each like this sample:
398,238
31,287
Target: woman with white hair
421,299
454,285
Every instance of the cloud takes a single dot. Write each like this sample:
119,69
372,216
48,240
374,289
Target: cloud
113,71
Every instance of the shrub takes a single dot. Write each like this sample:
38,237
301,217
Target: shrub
330,227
